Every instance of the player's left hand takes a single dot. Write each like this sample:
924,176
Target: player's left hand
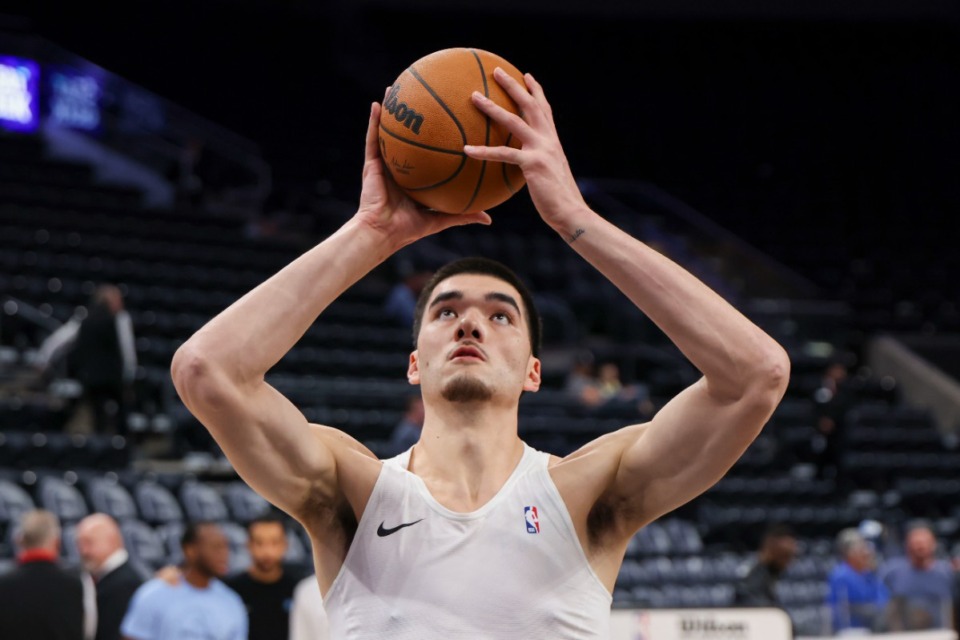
549,179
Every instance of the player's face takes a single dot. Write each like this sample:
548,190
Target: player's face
474,343
267,545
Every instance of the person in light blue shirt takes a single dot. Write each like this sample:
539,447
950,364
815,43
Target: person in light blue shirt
856,596
200,607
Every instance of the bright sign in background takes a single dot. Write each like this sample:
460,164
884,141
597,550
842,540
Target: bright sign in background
19,94
73,99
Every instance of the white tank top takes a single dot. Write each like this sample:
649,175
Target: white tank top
512,569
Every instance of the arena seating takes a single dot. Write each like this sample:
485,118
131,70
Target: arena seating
61,234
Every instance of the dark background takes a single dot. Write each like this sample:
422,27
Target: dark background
838,117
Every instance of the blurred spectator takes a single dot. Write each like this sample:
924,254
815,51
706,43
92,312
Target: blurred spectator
581,384
620,398
38,599
603,393
266,587
113,572
832,402
921,586
402,299
407,432
100,354
200,606
758,587
856,597
308,618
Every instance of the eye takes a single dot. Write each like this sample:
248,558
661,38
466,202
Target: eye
447,313
501,318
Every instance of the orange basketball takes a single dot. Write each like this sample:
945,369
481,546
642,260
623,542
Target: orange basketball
428,117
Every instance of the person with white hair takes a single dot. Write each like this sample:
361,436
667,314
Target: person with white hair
39,600
115,575
856,597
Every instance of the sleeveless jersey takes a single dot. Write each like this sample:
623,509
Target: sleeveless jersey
512,569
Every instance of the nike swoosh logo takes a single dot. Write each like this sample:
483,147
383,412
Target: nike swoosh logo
384,532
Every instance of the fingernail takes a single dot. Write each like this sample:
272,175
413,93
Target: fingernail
479,96
499,70
468,147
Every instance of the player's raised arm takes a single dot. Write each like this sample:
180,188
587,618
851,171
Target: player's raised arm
698,436
219,373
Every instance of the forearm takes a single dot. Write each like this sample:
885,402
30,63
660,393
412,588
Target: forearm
724,345
252,334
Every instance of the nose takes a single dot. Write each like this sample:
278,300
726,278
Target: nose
469,326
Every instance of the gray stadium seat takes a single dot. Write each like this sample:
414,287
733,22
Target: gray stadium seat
237,536
111,498
143,543
62,499
297,552
14,502
157,504
202,502
170,534
245,504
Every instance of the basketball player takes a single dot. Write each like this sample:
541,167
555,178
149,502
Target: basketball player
472,534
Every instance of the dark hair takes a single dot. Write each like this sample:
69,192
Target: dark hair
192,531
776,531
487,267
268,518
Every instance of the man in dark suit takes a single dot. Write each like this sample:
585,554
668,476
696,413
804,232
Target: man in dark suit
38,599
116,576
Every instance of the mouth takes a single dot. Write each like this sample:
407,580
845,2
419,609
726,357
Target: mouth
467,353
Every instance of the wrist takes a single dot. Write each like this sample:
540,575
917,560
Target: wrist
369,239
571,222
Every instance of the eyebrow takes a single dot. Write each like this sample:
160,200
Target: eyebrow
493,295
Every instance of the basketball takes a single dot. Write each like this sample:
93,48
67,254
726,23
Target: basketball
428,117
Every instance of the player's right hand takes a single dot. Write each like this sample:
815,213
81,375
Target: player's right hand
386,208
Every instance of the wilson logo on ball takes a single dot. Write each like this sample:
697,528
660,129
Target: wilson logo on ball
399,110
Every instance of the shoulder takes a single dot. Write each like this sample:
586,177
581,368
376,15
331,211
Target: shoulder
236,581
150,592
228,594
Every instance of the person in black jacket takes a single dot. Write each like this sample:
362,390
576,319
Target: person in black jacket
116,576
757,588
38,599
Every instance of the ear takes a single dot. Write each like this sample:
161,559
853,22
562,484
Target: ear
532,381
413,371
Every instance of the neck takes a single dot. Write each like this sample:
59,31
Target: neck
467,451
267,576
197,578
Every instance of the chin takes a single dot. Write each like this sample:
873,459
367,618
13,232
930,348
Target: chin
466,389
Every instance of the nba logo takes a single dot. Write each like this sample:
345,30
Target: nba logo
533,520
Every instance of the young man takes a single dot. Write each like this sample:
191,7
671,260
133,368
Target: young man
471,533
200,606
266,588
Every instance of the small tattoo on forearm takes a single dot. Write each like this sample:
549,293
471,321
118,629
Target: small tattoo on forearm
576,234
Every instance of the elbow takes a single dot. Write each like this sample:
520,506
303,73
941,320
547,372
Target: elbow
772,376
194,375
